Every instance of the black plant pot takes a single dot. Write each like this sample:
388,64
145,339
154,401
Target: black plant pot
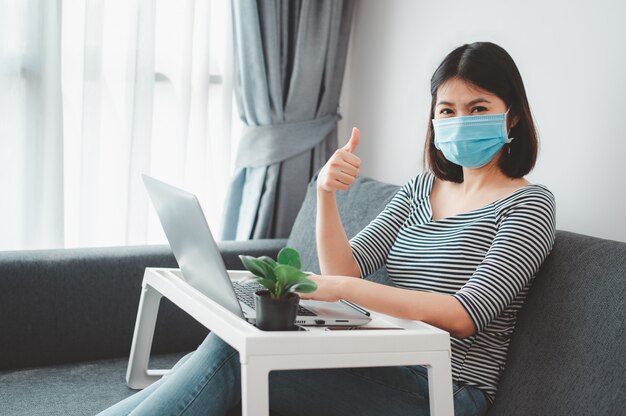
276,315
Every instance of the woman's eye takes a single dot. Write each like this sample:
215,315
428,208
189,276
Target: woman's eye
478,109
445,111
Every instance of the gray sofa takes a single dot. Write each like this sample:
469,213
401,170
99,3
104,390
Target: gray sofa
67,317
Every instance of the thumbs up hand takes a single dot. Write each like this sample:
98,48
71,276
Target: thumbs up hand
342,168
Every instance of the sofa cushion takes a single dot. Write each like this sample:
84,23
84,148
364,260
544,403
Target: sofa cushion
567,353
359,205
84,388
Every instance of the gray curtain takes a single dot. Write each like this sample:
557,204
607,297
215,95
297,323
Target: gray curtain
289,61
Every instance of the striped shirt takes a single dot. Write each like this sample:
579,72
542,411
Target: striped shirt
486,258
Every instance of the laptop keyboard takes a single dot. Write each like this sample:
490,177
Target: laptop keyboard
245,293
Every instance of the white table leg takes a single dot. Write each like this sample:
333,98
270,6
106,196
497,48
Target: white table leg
440,386
137,375
255,400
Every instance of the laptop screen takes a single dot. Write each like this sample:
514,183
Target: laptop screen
192,243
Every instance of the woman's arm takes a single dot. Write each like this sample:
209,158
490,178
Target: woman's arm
442,311
333,247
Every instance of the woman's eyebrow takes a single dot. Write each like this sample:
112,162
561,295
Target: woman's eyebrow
477,100
471,103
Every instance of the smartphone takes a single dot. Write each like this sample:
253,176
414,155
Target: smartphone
356,328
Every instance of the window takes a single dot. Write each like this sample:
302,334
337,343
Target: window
98,92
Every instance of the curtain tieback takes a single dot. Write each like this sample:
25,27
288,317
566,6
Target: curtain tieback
266,145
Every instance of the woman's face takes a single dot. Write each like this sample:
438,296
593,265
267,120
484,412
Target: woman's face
457,98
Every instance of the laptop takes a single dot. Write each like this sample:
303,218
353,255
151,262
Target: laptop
202,266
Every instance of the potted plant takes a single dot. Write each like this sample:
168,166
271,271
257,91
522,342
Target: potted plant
276,307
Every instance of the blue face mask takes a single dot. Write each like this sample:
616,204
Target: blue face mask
471,141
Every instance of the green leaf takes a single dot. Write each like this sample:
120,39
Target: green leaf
304,287
267,283
290,257
285,273
269,261
287,276
257,267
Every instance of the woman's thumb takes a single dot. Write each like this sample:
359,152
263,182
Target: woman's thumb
354,140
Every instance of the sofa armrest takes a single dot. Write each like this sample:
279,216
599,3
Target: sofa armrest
69,305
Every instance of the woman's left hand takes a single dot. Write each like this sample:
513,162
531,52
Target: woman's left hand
329,288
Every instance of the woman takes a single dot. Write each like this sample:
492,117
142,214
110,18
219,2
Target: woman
462,243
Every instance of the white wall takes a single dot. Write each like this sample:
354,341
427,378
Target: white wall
572,57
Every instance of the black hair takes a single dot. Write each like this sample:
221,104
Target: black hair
489,67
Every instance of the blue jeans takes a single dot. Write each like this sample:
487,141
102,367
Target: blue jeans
208,382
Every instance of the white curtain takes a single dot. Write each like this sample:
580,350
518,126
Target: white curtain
95,92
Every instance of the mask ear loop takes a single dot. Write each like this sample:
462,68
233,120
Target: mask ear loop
508,145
